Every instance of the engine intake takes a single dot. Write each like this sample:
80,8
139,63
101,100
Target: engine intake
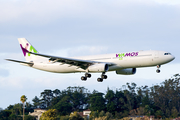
127,71
102,67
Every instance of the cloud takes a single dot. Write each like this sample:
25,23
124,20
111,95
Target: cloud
4,72
168,2
87,50
42,12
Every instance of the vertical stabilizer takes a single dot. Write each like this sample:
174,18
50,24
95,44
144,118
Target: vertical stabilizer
26,46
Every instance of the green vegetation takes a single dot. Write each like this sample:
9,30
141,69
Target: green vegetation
51,114
161,101
23,100
75,116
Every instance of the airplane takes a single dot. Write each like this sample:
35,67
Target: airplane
124,63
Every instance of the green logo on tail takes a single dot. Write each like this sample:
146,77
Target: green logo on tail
32,48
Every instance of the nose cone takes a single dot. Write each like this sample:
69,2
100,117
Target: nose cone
167,57
171,58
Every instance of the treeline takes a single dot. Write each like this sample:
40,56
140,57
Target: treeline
161,101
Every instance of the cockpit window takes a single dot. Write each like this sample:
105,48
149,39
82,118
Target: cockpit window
167,53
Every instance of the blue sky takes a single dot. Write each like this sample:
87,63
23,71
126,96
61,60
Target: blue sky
71,28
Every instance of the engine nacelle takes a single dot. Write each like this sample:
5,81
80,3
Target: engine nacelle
102,67
127,71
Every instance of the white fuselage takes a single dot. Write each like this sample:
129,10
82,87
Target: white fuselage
119,61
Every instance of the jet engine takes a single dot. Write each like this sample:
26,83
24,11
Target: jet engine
127,71
102,67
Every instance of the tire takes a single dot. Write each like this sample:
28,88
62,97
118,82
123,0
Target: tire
88,75
104,76
158,71
100,80
83,78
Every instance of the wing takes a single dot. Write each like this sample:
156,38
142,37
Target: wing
84,64
28,63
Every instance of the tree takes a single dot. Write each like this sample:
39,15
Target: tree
159,114
9,107
148,110
47,97
5,114
166,95
23,100
94,114
14,117
111,101
56,92
64,117
131,96
78,97
17,109
28,117
121,101
101,114
174,113
29,107
78,100
51,114
109,116
75,116
97,102
36,102
1,109
64,106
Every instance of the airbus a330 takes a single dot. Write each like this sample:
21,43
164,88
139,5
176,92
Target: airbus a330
124,63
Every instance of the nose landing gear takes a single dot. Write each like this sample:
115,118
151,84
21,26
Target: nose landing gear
158,69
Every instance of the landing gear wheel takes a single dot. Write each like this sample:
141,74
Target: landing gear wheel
104,76
158,71
158,66
100,80
83,78
88,75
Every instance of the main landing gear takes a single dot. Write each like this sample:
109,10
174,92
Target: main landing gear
87,75
158,69
103,76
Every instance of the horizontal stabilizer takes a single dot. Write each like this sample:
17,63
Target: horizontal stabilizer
27,63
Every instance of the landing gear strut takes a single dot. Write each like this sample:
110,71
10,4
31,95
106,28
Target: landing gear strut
158,69
103,76
87,75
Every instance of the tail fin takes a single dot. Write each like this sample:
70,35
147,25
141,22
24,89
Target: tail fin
26,46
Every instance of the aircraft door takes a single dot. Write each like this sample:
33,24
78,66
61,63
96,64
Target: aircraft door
156,56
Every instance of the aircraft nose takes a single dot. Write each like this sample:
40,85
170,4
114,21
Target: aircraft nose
173,57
